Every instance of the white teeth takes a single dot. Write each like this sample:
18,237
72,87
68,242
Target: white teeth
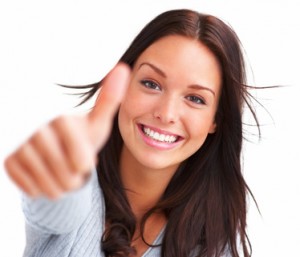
151,134
159,137
156,136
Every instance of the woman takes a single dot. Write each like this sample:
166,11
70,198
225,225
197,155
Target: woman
168,180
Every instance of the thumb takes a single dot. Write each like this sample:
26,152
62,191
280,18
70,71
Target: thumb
112,90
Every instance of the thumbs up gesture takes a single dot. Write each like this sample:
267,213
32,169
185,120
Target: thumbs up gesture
58,157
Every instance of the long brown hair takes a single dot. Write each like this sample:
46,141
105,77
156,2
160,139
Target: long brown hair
206,200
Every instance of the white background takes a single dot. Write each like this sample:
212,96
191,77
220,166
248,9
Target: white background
78,42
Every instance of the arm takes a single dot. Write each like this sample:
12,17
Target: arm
57,158
62,215
70,226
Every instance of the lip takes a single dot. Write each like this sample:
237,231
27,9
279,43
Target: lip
156,144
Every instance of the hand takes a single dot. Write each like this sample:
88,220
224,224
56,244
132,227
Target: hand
60,155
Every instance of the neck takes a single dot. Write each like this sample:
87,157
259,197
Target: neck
144,186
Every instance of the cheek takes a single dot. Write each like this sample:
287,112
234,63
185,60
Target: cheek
121,116
124,123
196,140
127,106
132,100
129,111
136,104
199,128
125,117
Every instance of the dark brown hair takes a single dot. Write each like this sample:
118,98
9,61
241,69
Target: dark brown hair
206,200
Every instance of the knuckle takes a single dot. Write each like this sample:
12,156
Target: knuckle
23,151
70,182
7,162
82,164
58,121
62,120
11,172
38,136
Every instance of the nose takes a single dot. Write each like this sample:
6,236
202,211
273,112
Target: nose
167,110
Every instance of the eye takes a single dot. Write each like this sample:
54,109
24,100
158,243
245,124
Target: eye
196,99
150,84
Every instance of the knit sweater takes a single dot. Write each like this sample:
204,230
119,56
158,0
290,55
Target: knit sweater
71,226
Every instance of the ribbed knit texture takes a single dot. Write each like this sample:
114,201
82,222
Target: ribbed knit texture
71,226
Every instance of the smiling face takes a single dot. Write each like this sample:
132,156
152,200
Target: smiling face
171,102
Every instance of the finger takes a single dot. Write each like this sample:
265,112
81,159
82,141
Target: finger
21,178
75,143
31,162
47,144
113,89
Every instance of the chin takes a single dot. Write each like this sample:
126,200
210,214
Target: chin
158,164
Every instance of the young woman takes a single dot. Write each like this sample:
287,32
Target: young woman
165,135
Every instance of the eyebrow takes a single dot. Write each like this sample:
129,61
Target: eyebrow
199,87
160,72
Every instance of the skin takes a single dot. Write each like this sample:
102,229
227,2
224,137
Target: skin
173,94
173,89
58,157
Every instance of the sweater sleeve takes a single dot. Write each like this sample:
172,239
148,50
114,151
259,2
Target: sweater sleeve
59,216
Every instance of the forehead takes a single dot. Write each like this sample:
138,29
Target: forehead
184,59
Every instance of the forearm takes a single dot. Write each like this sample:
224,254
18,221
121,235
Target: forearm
59,216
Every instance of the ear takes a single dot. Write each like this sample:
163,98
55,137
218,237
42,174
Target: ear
212,128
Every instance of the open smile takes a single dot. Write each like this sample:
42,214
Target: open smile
159,135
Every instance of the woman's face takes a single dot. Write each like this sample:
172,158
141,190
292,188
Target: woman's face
170,105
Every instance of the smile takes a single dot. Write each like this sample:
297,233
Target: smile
160,137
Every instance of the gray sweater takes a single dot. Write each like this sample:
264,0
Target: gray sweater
71,226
